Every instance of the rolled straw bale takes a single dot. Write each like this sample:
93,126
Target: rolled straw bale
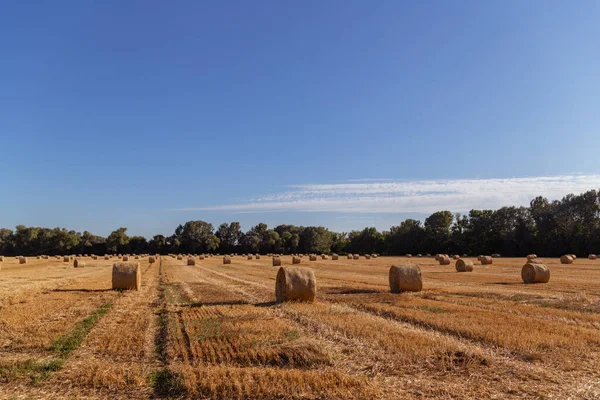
295,284
409,255
276,261
94,257
191,261
405,278
566,259
590,257
1,258
201,257
38,257
296,260
464,265
126,276
137,257
374,255
444,259
22,260
534,271
179,257
367,257
437,257
249,256
312,257
226,260
324,257
151,260
257,256
573,256
480,257
485,260
355,256
78,263
107,257
531,256
456,256
349,256
125,258
66,259
335,257
465,255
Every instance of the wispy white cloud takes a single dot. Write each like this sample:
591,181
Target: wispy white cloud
426,196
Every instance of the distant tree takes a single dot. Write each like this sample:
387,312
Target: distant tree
118,241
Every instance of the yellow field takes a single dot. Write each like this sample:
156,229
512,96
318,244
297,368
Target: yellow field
214,331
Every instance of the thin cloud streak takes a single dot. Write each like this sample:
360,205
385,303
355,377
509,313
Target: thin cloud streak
458,195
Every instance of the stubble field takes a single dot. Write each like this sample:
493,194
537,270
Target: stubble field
215,331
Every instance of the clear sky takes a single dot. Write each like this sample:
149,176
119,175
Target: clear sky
147,114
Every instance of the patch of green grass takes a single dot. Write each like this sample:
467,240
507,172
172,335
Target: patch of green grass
291,334
35,370
166,383
64,345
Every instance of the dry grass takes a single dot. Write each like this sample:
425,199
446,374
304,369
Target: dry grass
214,332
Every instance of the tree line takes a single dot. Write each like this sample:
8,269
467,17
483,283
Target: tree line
549,228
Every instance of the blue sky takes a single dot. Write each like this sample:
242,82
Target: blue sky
147,114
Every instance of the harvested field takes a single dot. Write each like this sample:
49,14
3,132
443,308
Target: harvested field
215,331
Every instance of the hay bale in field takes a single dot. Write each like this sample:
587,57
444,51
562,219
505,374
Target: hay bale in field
367,257
573,256
137,257
107,257
349,256
531,256
437,257
179,257
191,261
295,284
78,263
409,255
226,260
355,256
151,260
94,257
567,259
1,258
257,256
22,260
324,257
486,260
590,257
534,271
480,257
312,257
334,257
444,259
405,278
456,257
464,265
125,258
126,276
276,261
38,257
201,257
296,260
66,259
374,255
249,256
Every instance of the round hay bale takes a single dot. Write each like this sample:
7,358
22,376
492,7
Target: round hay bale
38,257
566,259
137,257
151,259
201,257
531,256
295,260
367,257
324,257
78,263
22,260
126,276
590,257
419,255
249,256
534,271
106,257
464,265
480,257
409,255
125,258
405,278
179,257
66,259
485,260
355,256
295,284
444,259
312,257
456,257
334,257
349,256
257,256
573,256
226,260
374,255
437,257
1,258
276,261
94,257
191,261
